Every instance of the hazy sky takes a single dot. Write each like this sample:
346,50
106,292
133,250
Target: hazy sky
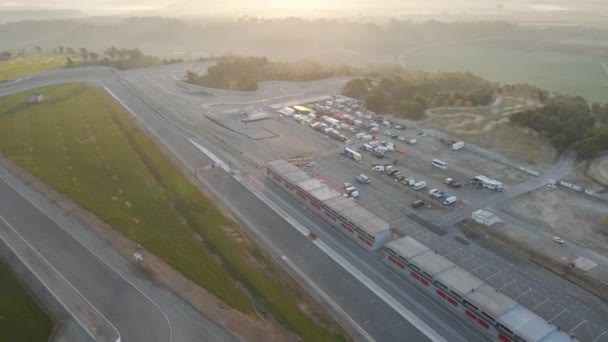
214,6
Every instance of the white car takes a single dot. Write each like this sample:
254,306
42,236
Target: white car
388,133
551,186
558,240
434,148
402,138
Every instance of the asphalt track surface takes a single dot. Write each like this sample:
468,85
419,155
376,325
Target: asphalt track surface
117,300
165,110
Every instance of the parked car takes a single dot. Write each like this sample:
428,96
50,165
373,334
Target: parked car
420,185
450,200
388,133
551,186
392,172
410,181
452,183
362,179
417,204
401,138
394,136
559,240
399,177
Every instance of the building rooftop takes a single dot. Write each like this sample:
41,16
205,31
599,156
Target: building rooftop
285,168
310,184
489,300
407,247
296,176
341,203
432,263
526,324
356,214
374,226
483,214
459,280
324,193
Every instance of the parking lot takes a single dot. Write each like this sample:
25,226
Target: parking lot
321,155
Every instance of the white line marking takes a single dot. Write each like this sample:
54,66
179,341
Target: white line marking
61,275
371,285
98,257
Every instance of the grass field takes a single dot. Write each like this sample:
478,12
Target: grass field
21,320
27,65
565,73
83,144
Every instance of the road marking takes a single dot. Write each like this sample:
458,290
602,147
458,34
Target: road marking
61,275
96,255
371,285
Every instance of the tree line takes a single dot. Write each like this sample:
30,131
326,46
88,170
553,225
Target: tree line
117,58
564,119
244,73
409,95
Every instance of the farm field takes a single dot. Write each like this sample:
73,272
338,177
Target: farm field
21,319
79,141
29,65
565,73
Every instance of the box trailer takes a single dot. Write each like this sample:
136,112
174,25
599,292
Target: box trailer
352,154
457,145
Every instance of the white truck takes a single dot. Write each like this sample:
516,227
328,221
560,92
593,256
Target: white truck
457,145
449,200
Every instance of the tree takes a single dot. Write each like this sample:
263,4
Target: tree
5,56
84,54
93,56
55,51
38,49
71,51
60,49
69,62
135,54
111,52
375,101
356,88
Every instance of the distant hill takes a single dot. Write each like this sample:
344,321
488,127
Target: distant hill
42,14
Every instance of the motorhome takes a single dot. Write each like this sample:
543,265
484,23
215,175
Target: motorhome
440,164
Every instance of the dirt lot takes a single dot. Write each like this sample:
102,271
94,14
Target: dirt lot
566,213
598,170
489,127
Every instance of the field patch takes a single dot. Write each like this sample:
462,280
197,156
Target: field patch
21,319
565,73
27,65
79,141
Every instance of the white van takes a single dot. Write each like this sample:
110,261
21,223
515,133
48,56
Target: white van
366,137
420,185
368,147
440,164
450,200
360,135
378,168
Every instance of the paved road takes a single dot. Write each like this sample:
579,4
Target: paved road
106,290
561,169
173,114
